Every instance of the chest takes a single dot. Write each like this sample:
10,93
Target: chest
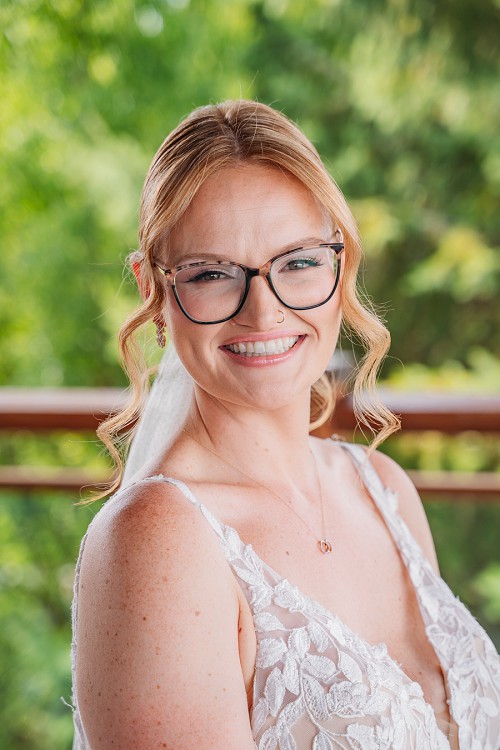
364,582
370,592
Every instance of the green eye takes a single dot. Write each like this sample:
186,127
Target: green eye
298,264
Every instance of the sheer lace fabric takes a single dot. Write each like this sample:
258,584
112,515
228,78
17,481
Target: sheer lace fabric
318,686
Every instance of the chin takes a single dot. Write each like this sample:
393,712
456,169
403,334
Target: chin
264,394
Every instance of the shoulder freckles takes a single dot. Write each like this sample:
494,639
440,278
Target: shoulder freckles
131,510
146,504
152,525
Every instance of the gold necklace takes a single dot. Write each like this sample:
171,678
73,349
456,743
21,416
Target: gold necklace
325,546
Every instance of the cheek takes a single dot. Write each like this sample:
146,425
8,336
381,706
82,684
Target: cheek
180,329
328,330
185,335
332,317
194,343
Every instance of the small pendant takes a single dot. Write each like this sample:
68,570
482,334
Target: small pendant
325,546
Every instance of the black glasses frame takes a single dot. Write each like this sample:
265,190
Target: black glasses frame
264,271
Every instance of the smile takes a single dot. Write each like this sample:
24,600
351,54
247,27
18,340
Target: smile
263,348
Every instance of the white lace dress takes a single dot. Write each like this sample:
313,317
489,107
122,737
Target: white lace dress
318,686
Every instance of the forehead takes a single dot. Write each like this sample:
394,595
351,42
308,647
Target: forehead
245,212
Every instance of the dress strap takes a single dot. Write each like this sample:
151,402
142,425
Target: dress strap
383,496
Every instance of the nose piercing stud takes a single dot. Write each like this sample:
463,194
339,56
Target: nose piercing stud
282,316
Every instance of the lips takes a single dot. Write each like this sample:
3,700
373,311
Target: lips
262,348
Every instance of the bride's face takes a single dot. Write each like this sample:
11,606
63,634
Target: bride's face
249,214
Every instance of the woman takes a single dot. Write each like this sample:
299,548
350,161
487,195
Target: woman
302,607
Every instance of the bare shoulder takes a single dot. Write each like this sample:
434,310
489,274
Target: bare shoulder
409,503
151,523
157,627
151,530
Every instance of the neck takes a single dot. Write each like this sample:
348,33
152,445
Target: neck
272,445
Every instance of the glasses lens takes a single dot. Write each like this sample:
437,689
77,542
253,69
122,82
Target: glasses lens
209,292
305,278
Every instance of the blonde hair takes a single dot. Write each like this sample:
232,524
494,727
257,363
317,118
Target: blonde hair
208,140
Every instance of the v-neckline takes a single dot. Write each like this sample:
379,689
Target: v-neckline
317,607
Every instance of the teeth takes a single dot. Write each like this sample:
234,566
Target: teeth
272,347
258,348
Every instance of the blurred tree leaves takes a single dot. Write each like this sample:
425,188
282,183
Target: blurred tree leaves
39,539
462,265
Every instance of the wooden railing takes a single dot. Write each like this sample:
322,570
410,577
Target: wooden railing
82,409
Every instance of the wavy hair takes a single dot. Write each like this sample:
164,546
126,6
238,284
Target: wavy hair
210,139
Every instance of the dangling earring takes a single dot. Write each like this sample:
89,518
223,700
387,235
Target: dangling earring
160,331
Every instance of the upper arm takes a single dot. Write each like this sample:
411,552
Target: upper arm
409,504
157,659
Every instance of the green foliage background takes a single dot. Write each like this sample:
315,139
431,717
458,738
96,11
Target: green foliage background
402,99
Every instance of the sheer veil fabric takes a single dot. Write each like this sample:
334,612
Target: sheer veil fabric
163,417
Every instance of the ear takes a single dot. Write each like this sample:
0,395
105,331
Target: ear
136,268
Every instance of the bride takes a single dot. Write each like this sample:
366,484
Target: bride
250,585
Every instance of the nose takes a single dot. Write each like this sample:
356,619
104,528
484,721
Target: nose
261,308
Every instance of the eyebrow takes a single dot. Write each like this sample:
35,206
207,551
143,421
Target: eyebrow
216,256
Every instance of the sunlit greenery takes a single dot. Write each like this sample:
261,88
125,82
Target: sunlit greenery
401,98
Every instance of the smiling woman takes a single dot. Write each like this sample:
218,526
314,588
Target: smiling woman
187,629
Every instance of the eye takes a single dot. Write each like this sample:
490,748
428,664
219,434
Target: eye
299,264
203,274
208,275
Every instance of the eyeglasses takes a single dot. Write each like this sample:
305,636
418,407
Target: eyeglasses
211,292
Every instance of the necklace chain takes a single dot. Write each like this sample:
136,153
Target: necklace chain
325,546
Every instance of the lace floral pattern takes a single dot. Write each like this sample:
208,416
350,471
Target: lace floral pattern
318,685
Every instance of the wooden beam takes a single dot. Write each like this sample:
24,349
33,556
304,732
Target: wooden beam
50,478
445,412
460,485
41,409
